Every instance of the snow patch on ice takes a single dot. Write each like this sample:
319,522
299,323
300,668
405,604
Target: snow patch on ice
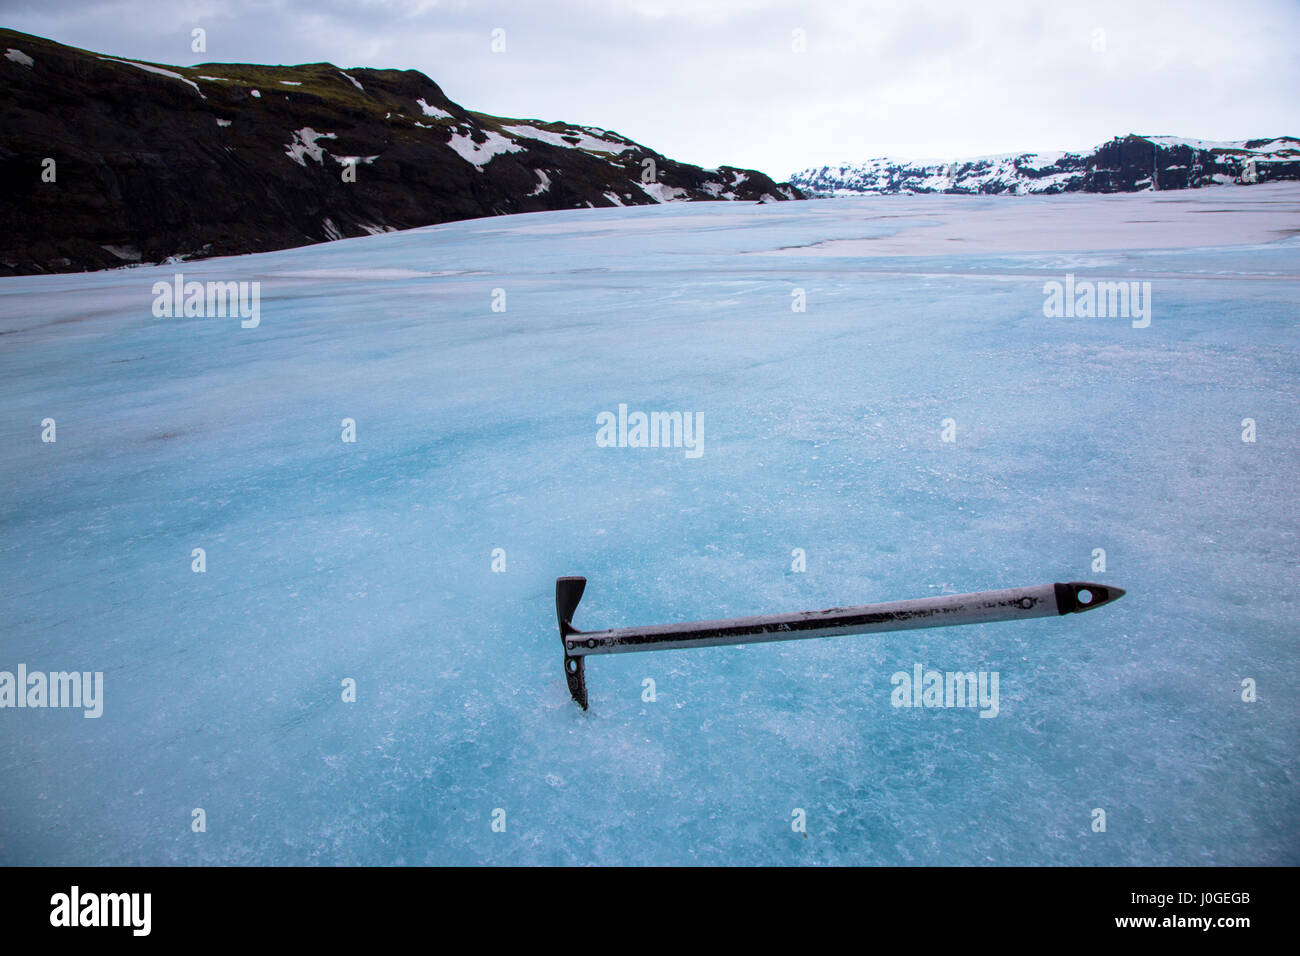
379,273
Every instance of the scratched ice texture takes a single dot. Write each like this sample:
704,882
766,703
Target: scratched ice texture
476,430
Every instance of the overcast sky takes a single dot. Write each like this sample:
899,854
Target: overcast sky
720,81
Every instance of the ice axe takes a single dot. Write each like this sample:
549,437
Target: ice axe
981,607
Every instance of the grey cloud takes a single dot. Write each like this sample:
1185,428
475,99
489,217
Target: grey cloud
715,81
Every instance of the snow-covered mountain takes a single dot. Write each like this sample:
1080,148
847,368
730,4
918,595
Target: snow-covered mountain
106,161
1126,164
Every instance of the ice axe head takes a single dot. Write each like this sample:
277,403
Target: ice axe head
568,592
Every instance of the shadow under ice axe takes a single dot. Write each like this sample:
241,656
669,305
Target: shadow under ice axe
982,607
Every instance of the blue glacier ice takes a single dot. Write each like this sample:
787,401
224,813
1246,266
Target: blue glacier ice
372,561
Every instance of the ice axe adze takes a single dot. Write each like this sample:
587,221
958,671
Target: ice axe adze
982,607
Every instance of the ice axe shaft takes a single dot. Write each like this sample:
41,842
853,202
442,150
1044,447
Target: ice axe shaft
981,607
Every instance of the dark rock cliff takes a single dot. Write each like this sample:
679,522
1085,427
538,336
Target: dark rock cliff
105,162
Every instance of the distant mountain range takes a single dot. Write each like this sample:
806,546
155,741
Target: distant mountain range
107,162
1126,164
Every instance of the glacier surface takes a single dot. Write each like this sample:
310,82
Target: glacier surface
372,561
